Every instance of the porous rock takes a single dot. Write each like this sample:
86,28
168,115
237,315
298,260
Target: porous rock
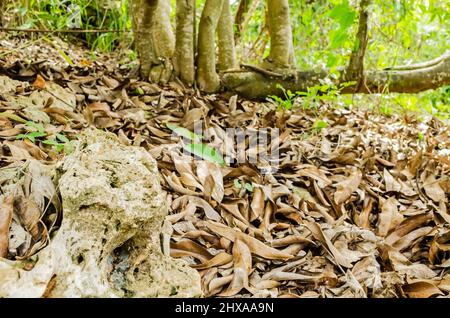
108,244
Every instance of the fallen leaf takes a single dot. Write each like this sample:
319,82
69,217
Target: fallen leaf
318,234
39,82
256,247
344,189
389,217
421,289
6,213
241,269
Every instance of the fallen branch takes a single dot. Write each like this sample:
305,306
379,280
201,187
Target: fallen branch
62,30
255,85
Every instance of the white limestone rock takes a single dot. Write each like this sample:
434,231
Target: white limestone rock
108,244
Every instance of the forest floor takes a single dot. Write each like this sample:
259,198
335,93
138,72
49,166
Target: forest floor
358,205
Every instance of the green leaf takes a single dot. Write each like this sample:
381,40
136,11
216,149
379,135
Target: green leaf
23,136
62,138
237,184
205,152
59,147
36,134
50,142
420,136
36,126
320,124
13,117
249,187
181,131
344,14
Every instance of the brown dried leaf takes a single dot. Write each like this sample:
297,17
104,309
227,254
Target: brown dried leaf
389,217
6,213
190,248
220,259
256,247
421,289
29,215
433,189
318,234
344,189
241,270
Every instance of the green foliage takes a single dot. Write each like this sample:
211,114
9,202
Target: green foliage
285,103
313,98
36,132
344,15
205,152
77,14
400,32
183,132
247,186
319,124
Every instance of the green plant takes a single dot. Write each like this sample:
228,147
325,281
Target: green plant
36,132
285,103
78,14
247,186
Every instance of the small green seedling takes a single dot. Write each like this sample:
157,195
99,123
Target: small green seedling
285,103
247,186
36,132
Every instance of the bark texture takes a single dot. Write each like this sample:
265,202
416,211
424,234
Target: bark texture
280,30
155,40
185,41
227,51
244,6
255,84
355,68
207,77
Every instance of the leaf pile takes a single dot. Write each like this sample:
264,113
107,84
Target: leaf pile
355,207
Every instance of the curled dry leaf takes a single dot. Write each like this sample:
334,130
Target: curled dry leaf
220,259
256,247
29,215
205,169
318,234
421,289
209,211
189,248
344,189
407,226
241,270
433,189
6,213
389,217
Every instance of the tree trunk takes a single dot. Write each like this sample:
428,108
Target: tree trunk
355,68
256,84
155,40
280,31
207,77
244,6
184,62
227,52
160,53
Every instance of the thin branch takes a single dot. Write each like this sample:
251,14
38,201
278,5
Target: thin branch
420,65
62,30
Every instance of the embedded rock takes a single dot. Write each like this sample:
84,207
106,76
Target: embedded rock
108,244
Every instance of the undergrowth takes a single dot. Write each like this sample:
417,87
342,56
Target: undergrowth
76,14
